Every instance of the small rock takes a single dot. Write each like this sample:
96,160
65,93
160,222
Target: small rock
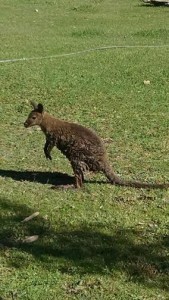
30,239
30,217
146,82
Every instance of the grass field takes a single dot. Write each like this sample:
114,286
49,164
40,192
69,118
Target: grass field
100,242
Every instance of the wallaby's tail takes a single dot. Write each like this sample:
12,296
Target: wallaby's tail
114,179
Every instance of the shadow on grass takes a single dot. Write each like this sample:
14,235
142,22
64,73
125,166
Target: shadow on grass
83,250
55,179
155,4
58,179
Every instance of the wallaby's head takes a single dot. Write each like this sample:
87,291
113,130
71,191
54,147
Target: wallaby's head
36,115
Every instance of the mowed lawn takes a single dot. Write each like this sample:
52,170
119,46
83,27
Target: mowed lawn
103,241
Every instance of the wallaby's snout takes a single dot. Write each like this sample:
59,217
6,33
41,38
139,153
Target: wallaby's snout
26,124
31,120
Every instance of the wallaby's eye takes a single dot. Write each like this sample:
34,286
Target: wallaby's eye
33,117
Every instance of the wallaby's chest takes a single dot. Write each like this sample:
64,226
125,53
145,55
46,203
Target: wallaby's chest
66,143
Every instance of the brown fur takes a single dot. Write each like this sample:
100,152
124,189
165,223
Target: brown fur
83,147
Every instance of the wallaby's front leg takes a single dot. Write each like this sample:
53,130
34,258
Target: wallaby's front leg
48,148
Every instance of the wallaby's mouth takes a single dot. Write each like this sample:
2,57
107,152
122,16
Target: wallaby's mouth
26,124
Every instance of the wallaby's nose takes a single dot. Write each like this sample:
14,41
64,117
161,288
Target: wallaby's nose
25,124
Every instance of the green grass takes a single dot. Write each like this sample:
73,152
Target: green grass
100,242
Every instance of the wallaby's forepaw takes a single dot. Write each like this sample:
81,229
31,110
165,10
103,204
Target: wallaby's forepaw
48,156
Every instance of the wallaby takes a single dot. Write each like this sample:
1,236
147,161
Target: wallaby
82,146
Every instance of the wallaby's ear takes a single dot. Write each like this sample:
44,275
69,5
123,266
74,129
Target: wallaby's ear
40,108
34,104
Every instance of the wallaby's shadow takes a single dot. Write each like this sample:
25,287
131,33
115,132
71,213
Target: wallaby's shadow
51,178
155,4
56,178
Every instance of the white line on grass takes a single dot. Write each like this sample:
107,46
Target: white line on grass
79,52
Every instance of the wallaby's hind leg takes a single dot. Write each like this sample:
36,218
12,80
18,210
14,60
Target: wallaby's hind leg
78,180
79,176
